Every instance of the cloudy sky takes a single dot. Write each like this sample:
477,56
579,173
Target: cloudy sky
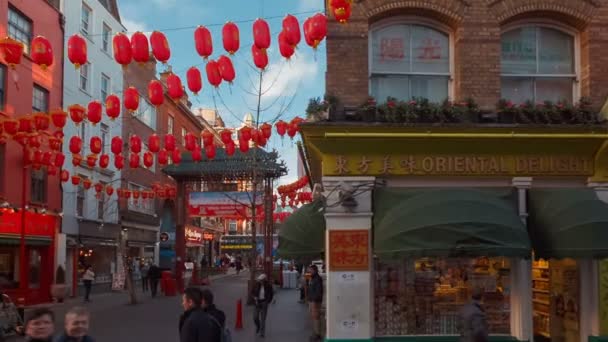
285,83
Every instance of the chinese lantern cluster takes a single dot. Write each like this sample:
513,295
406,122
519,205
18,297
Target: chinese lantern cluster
292,187
341,9
290,128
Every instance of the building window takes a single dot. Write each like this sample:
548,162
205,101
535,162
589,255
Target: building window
409,61
146,113
40,101
105,133
537,64
20,28
38,186
232,228
140,205
170,120
84,76
2,86
80,198
101,199
105,37
184,132
105,86
85,19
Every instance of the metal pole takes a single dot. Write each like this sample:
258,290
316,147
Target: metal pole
22,251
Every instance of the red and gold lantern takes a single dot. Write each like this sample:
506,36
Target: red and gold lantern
76,159
116,145
95,144
65,176
197,154
203,42
41,121
75,180
230,37
86,183
195,83
77,50
261,34
134,160
285,48
59,159
109,190
169,142
154,143
213,73
91,160
291,27
341,9
144,194
230,149
131,99
98,187
148,159
42,52
245,133
210,151
190,141
226,136
104,161
136,194
266,130
46,158
160,47
243,145
207,137
119,161
123,52
315,30
34,140
25,124
12,51
54,143
281,127
59,118
112,106
11,126
226,69
163,157
175,87
75,144
176,156
77,113
94,112
135,143
292,130
156,93
140,47
260,57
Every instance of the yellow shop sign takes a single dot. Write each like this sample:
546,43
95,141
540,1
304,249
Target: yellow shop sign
464,165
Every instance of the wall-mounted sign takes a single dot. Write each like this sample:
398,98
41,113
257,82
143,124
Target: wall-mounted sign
208,236
230,205
164,237
349,250
194,236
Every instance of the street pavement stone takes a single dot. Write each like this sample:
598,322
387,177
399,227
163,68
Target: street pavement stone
156,319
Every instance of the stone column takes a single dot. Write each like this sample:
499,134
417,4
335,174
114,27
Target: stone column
349,294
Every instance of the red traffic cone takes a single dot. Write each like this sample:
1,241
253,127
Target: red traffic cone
239,315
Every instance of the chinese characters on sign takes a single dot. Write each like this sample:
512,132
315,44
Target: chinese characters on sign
349,250
564,165
392,49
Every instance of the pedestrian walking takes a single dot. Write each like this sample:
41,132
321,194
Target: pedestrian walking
77,321
474,327
315,300
143,269
154,275
238,264
195,325
87,279
40,326
262,297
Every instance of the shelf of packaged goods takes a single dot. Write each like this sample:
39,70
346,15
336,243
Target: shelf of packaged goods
542,313
540,279
539,290
539,301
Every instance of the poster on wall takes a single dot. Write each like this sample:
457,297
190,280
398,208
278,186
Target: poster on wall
230,205
349,250
118,278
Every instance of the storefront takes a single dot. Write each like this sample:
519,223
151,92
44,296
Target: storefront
417,225
27,281
194,244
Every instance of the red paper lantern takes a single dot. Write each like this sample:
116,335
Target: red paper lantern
226,69
260,57
140,47
207,137
104,161
285,48
54,143
190,141
135,143
116,145
261,34
291,27
123,52
156,93
341,9
203,42
197,154
266,129
161,193
76,159
75,144
160,47
292,130
281,127
42,52
176,156
11,126
98,187
230,149
210,151
134,160
169,142
148,159
243,146
51,170
12,51
163,157
315,30
154,143
46,158
136,194
245,133
226,136
91,160
34,140
86,183
119,161
25,124
94,112
144,194
65,175
175,87
213,73
75,180
77,50
230,37
77,113
42,121
59,118
112,106
95,144
131,99
109,190
195,83
59,159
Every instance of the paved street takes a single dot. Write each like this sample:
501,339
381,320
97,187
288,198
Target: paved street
156,319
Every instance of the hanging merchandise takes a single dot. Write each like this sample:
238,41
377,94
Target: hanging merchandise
341,9
135,143
95,144
12,51
176,156
197,154
156,93
207,137
75,144
213,73
104,161
245,133
65,176
260,57
148,159
285,48
119,161
203,42
195,83
190,141
291,27
163,157
133,160
41,121
86,183
315,30
77,50
140,47
230,148
261,34
169,142
131,99
116,145
41,52
230,37
77,113
109,190
210,151
154,143
160,47
91,160
94,112
266,130
226,136
59,118
175,87
76,159
112,106
122,49
226,68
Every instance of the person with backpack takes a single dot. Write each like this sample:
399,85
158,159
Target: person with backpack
217,315
195,325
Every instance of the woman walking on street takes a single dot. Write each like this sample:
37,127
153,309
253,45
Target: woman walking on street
87,279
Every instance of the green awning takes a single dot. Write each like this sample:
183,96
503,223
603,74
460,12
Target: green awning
302,235
448,222
568,223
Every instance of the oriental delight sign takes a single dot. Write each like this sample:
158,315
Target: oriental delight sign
349,250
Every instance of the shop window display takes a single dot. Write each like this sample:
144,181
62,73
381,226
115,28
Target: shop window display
424,296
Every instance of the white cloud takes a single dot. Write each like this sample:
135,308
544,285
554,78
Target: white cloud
134,26
283,78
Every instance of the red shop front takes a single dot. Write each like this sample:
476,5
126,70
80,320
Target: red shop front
27,281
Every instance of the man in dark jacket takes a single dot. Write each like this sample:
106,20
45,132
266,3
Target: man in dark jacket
262,295
194,324
211,309
474,325
154,275
315,300
76,326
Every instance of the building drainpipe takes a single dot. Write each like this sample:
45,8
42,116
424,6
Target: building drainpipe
22,251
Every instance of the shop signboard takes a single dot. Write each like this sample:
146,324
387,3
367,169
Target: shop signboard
230,205
350,250
35,224
194,236
208,236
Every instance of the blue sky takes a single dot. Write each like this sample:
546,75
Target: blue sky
285,82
